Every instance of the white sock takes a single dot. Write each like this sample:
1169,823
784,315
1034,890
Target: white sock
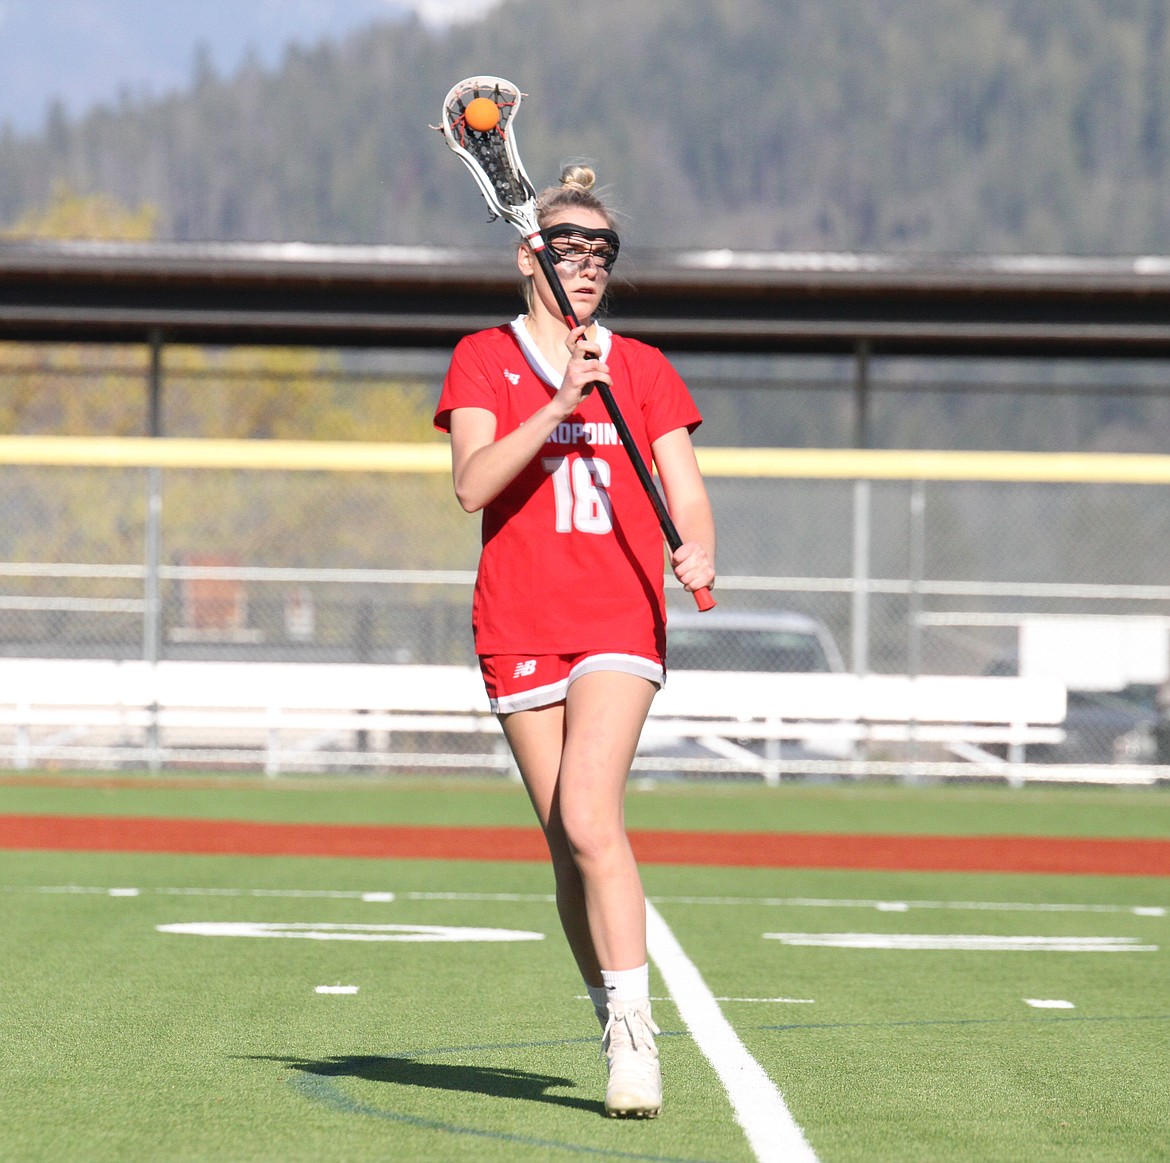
598,997
625,985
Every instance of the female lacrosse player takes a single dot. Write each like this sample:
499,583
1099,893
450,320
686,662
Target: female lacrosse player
569,611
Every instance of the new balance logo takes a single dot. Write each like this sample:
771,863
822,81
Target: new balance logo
525,669
512,377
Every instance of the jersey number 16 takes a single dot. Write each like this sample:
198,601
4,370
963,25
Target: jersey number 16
579,485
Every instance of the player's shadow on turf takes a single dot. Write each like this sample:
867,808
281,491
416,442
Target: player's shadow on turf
494,1082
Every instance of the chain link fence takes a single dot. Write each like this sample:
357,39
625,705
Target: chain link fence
908,576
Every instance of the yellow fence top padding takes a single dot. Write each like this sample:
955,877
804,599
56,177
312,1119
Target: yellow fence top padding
794,463
891,464
296,455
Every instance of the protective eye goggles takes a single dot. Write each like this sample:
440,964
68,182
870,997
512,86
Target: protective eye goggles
574,246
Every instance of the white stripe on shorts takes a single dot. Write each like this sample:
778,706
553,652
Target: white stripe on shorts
555,692
626,663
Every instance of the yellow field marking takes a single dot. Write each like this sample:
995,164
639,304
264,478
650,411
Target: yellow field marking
791,463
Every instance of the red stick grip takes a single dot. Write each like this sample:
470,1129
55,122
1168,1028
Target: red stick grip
703,599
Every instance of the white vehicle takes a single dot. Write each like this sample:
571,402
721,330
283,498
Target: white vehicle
735,644
781,641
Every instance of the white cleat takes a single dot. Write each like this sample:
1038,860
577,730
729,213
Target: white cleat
635,1079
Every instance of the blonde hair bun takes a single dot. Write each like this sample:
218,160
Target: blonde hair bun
578,177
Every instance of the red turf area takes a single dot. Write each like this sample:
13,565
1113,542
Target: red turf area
1103,857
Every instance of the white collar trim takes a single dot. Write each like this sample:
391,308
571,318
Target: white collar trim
535,356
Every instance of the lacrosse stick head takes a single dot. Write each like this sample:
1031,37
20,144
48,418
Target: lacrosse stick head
492,154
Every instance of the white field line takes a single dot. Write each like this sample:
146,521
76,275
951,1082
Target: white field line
379,896
760,1110
925,942
891,906
782,1001
324,931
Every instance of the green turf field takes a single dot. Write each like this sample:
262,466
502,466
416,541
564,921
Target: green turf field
127,1041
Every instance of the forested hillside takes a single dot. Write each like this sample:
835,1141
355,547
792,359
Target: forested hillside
884,125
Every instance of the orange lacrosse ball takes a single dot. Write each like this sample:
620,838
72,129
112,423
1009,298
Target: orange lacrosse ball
482,114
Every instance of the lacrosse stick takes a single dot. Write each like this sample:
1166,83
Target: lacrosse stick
484,140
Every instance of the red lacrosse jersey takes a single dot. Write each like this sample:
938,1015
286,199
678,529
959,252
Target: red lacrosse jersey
572,554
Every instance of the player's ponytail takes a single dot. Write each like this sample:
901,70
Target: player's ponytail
574,191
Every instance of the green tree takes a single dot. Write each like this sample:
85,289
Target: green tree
71,215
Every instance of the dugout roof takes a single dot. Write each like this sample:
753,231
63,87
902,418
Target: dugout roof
712,301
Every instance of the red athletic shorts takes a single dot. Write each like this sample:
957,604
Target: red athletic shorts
521,682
